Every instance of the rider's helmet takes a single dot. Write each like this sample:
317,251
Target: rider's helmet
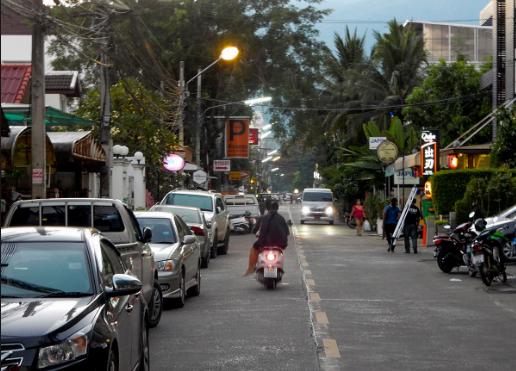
480,224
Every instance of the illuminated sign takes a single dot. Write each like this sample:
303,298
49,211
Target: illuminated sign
237,138
253,136
173,162
429,153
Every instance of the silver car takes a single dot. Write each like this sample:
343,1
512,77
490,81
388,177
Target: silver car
177,255
317,204
194,218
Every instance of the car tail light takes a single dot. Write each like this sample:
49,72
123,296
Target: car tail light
198,231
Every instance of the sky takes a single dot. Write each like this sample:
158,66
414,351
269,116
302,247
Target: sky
369,15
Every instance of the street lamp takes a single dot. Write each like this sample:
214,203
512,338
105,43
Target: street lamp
276,158
266,134
229,53
254,101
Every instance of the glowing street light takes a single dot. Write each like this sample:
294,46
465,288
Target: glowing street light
266,159
272,152
276,158
274,169
267,127
253,101
229,53
266,134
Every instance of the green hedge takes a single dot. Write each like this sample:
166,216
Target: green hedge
449,186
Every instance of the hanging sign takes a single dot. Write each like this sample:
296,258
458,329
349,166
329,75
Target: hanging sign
237,138
222,165
429,153
374,142
387,152
253,136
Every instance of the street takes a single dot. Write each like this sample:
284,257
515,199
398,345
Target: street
345,303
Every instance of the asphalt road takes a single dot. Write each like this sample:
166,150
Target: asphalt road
345,304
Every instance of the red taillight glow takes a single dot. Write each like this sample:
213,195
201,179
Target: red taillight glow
198,231
477,248
271,256
437,242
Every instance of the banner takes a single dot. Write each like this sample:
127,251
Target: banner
429,152
237,138
253,136
221,166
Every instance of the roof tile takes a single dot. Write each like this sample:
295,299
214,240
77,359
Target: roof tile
15,82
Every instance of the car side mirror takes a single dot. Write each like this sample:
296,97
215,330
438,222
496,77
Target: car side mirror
147,234
188,239
219,209
123,284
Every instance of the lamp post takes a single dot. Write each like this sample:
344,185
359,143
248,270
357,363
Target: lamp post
227,54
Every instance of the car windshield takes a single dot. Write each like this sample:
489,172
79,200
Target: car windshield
42,269
318,196
162,230
192,200
188,215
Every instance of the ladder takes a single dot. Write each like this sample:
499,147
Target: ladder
401,221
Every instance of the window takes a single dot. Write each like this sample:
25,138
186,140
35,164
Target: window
25,216
162,229
36,269
193,200
53,215
183,227
138,235
112,260
107,219
219,203
318,196
79,215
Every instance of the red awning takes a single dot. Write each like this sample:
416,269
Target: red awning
15,82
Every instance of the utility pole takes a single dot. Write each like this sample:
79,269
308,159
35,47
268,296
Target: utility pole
105,124
182,91
38,132
198,126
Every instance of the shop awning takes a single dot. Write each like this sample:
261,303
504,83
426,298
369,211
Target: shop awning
53,117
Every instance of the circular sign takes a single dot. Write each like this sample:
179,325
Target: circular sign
173,162
200,177
387,152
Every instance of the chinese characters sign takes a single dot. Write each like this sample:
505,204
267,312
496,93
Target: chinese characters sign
429,153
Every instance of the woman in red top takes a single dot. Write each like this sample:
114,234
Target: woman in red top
358,213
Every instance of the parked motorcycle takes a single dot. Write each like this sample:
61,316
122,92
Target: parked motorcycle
451,249
269,268
488,250
242,223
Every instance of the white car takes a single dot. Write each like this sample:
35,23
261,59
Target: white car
317,204
215,213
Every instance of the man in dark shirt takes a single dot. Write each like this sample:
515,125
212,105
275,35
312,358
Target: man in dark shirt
410,228
273,231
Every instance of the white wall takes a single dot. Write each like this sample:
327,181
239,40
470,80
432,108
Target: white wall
18,49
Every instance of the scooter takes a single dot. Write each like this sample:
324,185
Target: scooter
451,249
269,268
242,223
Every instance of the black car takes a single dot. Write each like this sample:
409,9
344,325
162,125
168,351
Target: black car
68,302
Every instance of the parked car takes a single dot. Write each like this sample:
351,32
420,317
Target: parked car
111,217
214,209
69,302
177,254
504,216
194,218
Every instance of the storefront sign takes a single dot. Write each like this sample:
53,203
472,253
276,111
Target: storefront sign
374,142
429,153
253,136
387,152
235,175
237,138
221,165
406,176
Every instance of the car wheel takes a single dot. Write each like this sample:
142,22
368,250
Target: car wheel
224,249
205,261
145,352
214,249
196,290
155,306
112,362
180,301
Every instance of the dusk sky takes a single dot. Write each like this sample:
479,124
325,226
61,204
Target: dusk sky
368,15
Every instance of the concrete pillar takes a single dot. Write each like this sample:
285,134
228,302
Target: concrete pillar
119,179
138,173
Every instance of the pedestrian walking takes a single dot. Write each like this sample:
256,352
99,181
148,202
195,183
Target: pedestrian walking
410,228
391,214
358,213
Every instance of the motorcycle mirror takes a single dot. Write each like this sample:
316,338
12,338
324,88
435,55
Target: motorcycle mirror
447,227
472,214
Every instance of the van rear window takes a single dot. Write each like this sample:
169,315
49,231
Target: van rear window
107,219
25,216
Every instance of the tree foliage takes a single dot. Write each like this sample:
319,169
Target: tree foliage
456,87
503,152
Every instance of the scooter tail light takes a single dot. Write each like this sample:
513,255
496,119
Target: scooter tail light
198,231
437,242
271,256
477,247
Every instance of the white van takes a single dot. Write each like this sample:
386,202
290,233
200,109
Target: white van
317,204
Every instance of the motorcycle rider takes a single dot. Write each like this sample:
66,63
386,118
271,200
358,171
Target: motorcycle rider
273,231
